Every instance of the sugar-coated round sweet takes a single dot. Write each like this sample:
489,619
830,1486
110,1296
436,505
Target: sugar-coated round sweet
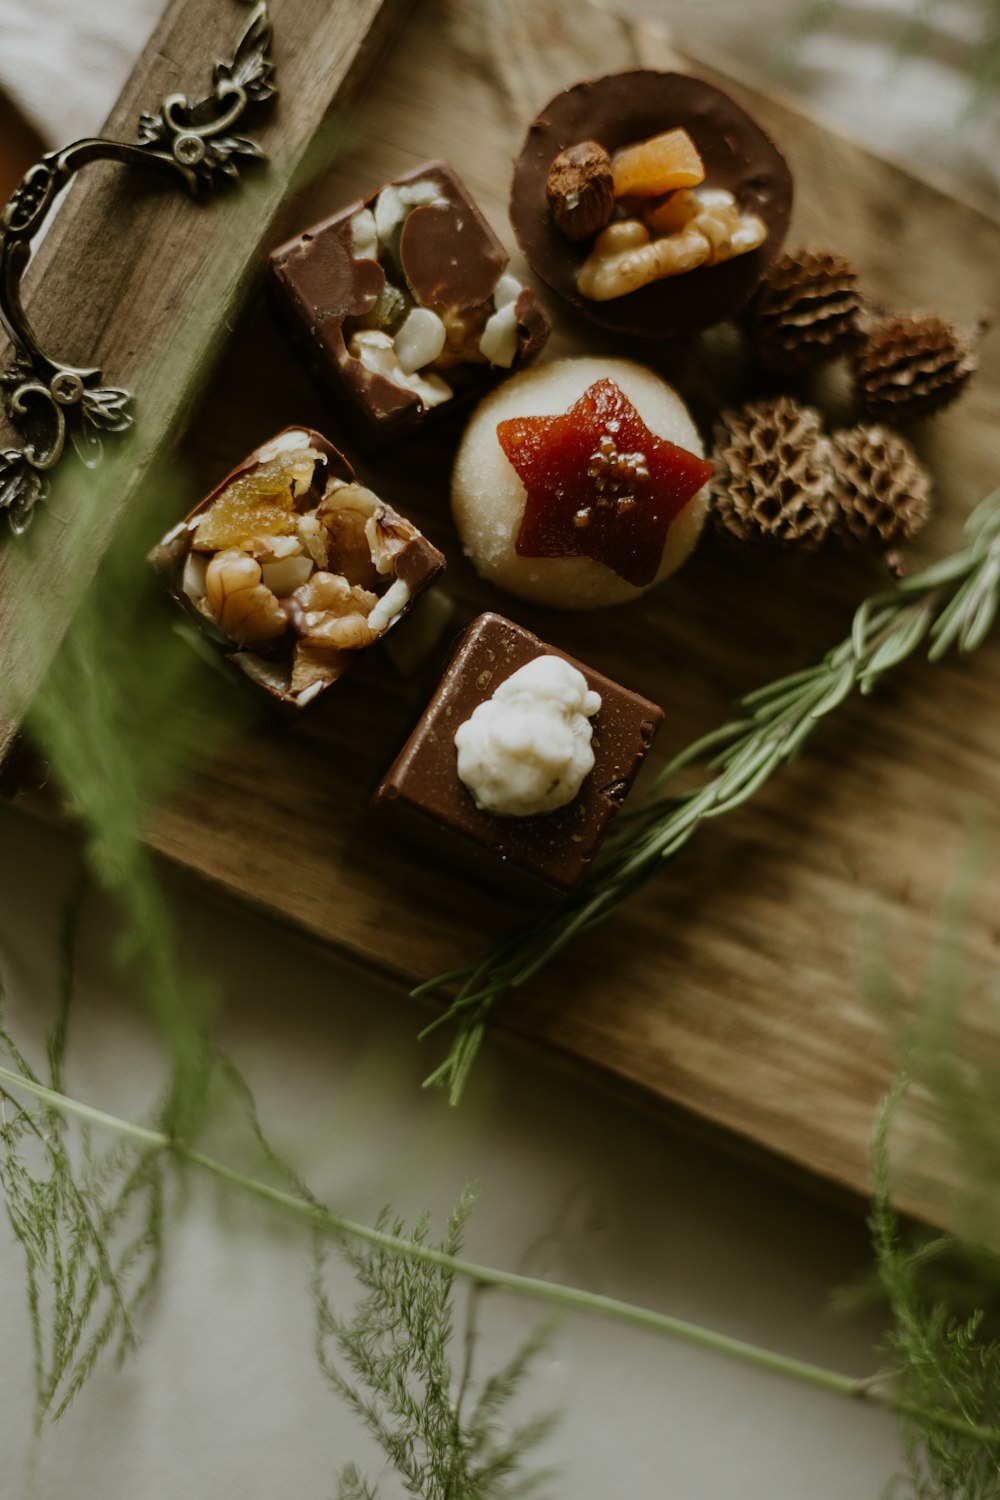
488,498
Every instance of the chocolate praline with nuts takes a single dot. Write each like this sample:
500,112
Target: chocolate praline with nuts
403,304
290,567
618,111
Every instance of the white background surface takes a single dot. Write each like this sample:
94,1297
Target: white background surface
224,1398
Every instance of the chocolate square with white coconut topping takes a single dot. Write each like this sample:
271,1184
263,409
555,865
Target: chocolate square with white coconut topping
403,303
291,567
544,854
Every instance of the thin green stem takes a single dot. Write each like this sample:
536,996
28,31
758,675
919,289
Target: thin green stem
554,1293
85,1112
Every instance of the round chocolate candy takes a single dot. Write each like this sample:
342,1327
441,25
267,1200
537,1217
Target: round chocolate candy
620,110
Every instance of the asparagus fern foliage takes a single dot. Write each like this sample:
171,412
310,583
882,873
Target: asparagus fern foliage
944,1365
394,1362
89,1224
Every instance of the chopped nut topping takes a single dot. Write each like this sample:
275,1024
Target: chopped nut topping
237,601
375,351
328,611
315,667
343,521
694,227
295,566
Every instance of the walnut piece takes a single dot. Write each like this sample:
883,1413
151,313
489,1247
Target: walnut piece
328,611
343,515
237,601
297,576
694,227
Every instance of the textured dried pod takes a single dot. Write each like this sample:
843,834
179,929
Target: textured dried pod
581,190
910,366
805,312
771,483
881,490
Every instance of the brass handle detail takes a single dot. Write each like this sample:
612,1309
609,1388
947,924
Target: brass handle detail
47,400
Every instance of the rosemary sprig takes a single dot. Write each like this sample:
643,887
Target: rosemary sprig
953,603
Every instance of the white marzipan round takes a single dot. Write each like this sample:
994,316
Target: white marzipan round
488,498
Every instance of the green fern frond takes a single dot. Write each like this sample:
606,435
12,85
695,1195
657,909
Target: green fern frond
392,1363
89,1223
944,1365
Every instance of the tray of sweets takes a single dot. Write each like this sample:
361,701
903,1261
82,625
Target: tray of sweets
726,988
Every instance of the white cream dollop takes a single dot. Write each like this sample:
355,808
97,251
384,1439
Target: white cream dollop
526,750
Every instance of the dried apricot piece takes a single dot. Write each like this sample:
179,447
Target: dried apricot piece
664,162
259,502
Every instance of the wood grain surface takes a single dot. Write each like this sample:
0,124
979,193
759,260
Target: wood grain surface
729,987
134,277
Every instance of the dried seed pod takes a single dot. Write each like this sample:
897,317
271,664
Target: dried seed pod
881,490
772,475
909,366
804,313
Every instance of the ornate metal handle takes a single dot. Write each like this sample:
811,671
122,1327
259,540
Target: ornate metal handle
45,398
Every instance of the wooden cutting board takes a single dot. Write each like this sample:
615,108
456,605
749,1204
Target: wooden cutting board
728,987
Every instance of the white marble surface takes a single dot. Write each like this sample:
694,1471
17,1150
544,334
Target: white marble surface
224,1398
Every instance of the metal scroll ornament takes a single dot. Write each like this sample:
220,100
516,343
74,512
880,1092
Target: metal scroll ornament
47,400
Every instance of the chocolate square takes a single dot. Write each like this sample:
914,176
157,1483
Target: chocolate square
444,257
549,852
287,663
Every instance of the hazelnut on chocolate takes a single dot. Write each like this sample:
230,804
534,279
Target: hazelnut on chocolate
660,267
291,567
403,302
580,189
446,789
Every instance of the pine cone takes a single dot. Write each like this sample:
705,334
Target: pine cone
881,490
772,480
804,313
909,367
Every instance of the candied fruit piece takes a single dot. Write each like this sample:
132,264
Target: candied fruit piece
658,165
259,502
599,483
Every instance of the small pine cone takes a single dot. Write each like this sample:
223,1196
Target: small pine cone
909,367
772,479
881,490
804,313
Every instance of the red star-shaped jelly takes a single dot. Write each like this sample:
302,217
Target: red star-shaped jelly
599,483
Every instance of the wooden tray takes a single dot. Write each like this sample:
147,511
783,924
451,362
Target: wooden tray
728,987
